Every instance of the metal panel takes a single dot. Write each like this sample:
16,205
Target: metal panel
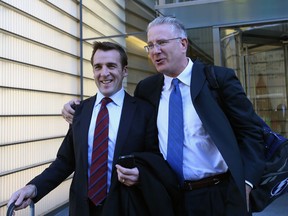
217,47
17,129
28,27
24,76
70,7
41,11
35,153
17,180
227,12
28,52
26,102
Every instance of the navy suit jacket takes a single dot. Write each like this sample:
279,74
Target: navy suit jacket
137,133
236,132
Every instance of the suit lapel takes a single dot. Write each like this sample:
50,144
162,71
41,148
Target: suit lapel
156,91
127,115
197,79
83,128
153,93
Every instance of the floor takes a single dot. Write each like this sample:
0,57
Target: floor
278,208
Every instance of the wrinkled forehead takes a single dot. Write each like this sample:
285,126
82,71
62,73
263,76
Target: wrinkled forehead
160,32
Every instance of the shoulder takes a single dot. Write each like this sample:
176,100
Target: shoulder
146,105
152,79
89,102
222,71
139,102
149,86
225,75
199,67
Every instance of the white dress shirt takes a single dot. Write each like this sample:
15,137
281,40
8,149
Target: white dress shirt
201,158
114,110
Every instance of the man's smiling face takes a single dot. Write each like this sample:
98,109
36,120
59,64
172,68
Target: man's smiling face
108,71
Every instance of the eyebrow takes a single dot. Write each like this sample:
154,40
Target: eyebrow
108,64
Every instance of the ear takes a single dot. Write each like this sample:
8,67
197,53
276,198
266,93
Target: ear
125,71
184,43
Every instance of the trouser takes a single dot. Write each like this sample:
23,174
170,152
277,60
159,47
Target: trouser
95,210
223,199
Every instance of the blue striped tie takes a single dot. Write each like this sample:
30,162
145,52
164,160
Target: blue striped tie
176,131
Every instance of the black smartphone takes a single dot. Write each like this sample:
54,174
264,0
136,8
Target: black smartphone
127,161
73,106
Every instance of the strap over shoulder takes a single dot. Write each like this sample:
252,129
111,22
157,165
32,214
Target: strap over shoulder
211,77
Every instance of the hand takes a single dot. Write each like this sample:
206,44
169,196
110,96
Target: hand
23,197
68,111
126,176
248,190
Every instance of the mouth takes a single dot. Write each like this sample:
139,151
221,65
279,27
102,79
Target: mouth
106,81
159,61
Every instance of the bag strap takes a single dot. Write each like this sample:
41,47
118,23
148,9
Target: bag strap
214,85
272,140
211,77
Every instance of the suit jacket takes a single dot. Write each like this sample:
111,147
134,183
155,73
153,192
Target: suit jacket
236,133
137,133
156,194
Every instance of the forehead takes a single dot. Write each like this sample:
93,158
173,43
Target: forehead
104,57
159,32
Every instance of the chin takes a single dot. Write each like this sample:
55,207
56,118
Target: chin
160,69
107,93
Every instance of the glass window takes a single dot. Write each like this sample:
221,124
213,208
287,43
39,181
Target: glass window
201,44
258,54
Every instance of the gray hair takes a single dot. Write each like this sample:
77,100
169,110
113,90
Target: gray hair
177,26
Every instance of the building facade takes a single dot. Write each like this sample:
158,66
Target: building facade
45,55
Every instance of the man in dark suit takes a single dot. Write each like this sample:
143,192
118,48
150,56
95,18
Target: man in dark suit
132,129
223,155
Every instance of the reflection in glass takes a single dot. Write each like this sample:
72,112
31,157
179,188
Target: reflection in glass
258,54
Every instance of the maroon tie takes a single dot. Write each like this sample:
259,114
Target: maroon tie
97,186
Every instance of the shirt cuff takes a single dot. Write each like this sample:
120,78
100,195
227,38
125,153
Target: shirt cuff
249,183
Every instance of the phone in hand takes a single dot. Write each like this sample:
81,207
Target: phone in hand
127,161
73,106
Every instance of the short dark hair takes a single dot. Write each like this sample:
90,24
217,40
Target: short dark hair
106,46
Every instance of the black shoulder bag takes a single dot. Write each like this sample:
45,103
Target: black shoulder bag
274,181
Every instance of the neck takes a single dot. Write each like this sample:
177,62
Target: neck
182,66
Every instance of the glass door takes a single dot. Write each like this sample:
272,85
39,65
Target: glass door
259,56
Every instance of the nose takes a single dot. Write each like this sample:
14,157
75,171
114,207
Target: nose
105,71
156,48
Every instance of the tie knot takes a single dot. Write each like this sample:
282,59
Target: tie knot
105,101
175,82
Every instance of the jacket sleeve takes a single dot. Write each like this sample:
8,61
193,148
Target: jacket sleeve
58,171
244,121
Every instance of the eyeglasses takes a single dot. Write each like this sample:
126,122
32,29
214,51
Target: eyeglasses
158,44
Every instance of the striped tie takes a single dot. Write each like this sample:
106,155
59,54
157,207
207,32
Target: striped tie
176,131
97,186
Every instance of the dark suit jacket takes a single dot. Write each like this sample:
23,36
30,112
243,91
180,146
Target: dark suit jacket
137,133
236,133
156,194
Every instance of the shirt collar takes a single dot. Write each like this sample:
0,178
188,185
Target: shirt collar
184,76
117,98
